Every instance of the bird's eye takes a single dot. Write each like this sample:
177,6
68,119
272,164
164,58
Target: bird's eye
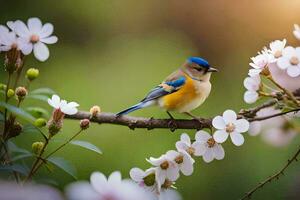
198,69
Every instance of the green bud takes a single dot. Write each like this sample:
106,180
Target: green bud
40,122
37,147
32,74
2,86
10,93
149,180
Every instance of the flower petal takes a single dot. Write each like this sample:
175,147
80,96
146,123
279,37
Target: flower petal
220,136
229,116
185,138
34,25
187,167
41,51
200,148
289,52
202,136
208,156
156,161
250,97
54,101
241,125
283,62
171,154
218,151
137,174
21,29
115,178
218,122
98,181
46,31
181,145
293,71
237,138
173,173
49,40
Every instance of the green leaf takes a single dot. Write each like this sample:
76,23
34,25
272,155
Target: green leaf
15,167
18,111
38,97
38,112
15,149
64,165
29,128
22,156
47,91
86,145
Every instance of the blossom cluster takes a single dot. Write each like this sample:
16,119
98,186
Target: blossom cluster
280,64
278,60
27,38
166,169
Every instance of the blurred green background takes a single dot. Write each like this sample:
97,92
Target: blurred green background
110,53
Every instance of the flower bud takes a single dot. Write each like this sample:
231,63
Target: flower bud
54,127
2,86
95,110
37,147
84,124
32,74
40,122
21,92
15,130
10,93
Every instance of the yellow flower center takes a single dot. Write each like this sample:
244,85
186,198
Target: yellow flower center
294,60
191,151
167,184
230,128
277,54
34,38
164,165
211,142
179,159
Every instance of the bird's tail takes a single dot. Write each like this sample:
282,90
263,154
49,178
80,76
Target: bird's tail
135,107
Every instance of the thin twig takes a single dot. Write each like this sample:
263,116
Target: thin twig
54,151
273,177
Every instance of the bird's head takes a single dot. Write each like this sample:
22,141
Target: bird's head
198,68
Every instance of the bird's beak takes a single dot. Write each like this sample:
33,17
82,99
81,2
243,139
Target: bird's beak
211,69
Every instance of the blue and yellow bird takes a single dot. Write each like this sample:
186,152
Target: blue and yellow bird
182,91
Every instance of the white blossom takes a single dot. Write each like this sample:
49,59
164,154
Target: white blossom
9,40
111,188
259,62
276,48
183,160
166,168
36,35
290,61
63,105
296,31
210,149
252,84
145,179
228,124
186,145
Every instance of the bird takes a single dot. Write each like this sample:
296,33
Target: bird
182,91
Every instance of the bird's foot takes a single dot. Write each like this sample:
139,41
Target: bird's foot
193,116
172,122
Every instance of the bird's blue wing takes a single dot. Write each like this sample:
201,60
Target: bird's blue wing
165,88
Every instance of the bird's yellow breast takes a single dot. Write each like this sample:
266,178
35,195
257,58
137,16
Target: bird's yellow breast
191,95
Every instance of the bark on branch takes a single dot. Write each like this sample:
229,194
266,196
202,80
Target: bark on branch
141,122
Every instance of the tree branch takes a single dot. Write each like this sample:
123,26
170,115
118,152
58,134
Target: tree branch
273,177
172,124
140,122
